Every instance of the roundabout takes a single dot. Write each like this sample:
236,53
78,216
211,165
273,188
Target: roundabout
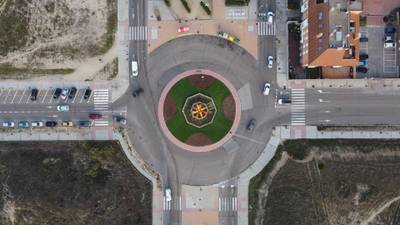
192,113
206,140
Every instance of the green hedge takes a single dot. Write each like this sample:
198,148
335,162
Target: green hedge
186,5
167,2
205,7
236,2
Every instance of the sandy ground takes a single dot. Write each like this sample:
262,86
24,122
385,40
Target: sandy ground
65,34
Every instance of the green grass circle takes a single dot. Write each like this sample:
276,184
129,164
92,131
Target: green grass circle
177,124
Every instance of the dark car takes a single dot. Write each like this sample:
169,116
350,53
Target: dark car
51,123
57,93
94,116
34,94
390,30
137,92
72,92
251,125
363,39
363,56
119,119
85,123
87,93
361,69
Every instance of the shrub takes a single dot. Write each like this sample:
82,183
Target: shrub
186,5
167,2
236,2
205,7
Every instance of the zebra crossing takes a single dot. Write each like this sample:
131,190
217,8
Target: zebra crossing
138,33
227,204
174,204
298,114
101,103
264,28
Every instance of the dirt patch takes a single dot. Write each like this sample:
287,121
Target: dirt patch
55,34
201,81
198,139
169,108
334,182
228,106
71,183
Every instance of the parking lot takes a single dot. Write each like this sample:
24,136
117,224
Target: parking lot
382,62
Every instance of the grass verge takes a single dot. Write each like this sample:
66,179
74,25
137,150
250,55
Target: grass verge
177,124
8,70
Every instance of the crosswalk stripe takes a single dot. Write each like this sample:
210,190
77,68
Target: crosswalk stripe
138,33
264,28
298,114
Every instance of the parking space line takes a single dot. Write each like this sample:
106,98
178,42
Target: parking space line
73,100
38,95
81,99
12,101
45,95
5,100
51,97
27,100
22,96
90,97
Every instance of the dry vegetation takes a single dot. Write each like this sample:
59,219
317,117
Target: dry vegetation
53,34
67,183
322,182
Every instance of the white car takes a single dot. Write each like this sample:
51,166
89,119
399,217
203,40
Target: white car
168,196
270,61
8,124
64,93
390,44
37,124
63,108
267,88
270,17
134,69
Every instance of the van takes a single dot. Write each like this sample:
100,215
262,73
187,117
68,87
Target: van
134,69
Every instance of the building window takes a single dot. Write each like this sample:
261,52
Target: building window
320,15
320,26
320,1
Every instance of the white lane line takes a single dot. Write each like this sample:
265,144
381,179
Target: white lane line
5,100
219,204
15,94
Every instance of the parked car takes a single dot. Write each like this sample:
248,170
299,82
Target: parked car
23,124
57,93
34,94
67,124
183,29
282,101
363,39
389,38
137,92
270,17
85,123
134,69
363,63
51,123
267,88
95,116
63,108
251,124
361,69
168,196
72,93
64,93
119,119
390,30
37,124
363,56
8,124
87,93
270,61
389,44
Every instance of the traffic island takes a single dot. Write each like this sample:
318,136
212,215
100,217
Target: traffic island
194,111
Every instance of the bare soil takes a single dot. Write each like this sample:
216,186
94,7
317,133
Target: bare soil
55,34
198,139
333,182
169,107
201,81
71,183
228,106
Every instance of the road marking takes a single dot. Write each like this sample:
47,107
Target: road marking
298,114
76,94
45,95
5,100
12,101
266,29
